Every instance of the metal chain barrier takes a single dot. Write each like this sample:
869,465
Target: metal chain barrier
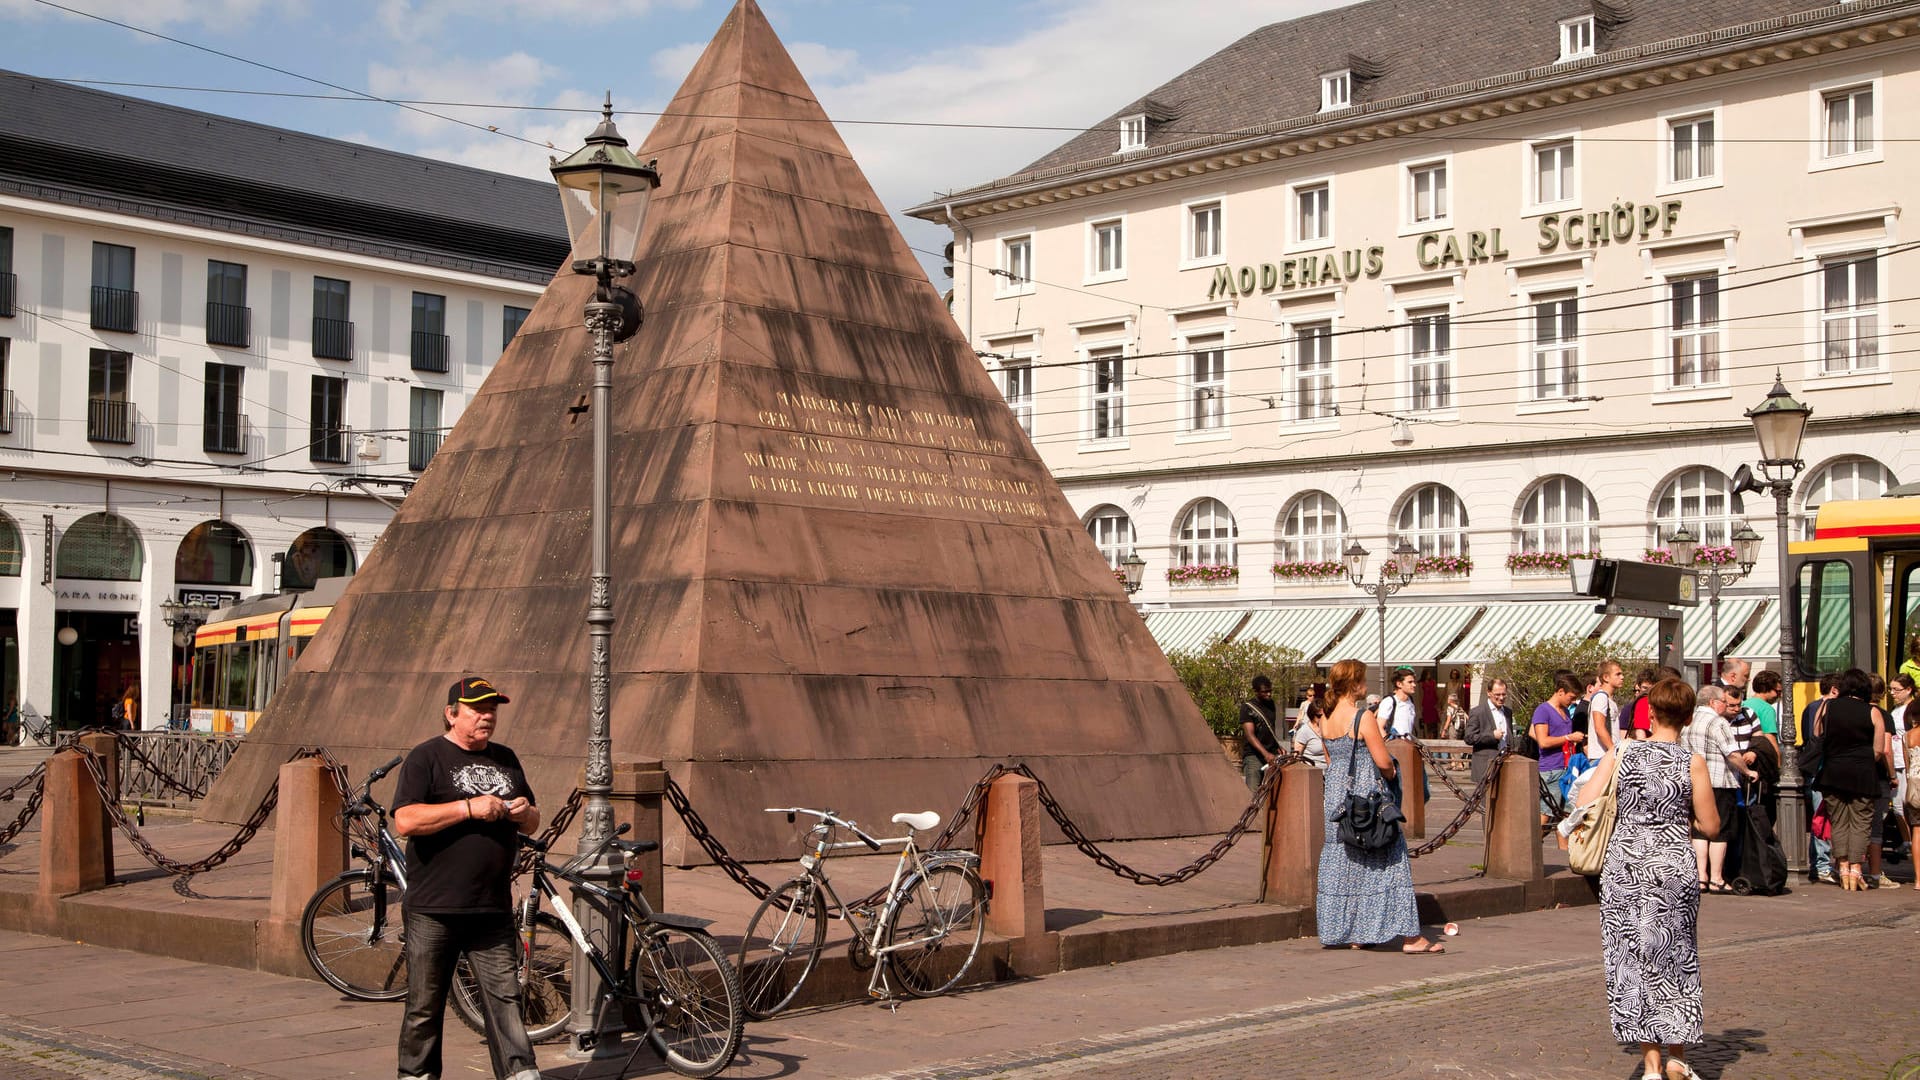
32,806
562,818
147,851
1436,768
7,793
702,835
1472,804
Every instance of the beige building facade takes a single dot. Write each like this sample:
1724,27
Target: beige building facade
1510,307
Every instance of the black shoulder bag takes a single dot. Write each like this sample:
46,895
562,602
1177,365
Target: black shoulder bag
1367,822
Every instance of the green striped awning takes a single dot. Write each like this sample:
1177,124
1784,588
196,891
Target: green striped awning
1191,631
1416,633
1763,635
1307,629
1638,636
1505,623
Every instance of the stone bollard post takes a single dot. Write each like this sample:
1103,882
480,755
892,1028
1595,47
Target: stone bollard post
308,846
1009,842
73,829
1413,773
1297,829
108,747
639,789
1513,825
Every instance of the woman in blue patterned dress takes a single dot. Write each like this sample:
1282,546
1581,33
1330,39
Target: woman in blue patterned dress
1649,893
1365,897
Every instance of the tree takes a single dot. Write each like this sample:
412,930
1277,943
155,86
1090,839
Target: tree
1220,677
1527,665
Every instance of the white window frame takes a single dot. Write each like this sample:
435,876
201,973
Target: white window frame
1817,94
1191,232
1669,124
1697,331
1009,283
1295,542
1094,226
1579,38
1567,141
1875,311
1016,375
1203,388
1133,133
1113,401
1409,185
1189,546
1322,372
1553,502
1104,526
1708,528
1415,360
1436,536
1336,90
1818,488
1538,393
1296,237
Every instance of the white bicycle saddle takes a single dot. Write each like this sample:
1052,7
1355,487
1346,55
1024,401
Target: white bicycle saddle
920,822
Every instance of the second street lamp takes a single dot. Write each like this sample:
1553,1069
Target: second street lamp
1405,557
604,192
1134,568
1715,572
1779,423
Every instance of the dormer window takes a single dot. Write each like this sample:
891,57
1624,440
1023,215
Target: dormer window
1133,132
1576,38
1336,90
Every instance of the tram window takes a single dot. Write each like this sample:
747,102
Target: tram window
1826,616
266,663
237,678
206,669
1906,642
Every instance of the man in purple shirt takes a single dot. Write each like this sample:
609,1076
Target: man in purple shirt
1553,730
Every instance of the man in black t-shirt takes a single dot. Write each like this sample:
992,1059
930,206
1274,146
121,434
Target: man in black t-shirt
1259,732
459,801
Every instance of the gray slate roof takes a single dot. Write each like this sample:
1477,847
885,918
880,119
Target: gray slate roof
70,143
1273,74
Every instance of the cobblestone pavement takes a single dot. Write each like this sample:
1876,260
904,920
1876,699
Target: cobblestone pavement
35,1052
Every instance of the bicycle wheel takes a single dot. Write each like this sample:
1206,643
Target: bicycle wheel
690,996
781,945
353,934
546,982
935,930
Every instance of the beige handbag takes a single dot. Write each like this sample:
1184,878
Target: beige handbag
1587,845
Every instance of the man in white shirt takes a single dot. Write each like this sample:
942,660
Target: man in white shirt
1604,705
1398,713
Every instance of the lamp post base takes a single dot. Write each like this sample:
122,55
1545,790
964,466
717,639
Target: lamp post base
588,1034
1791,828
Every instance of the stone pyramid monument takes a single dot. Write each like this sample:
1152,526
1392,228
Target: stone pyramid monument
842,575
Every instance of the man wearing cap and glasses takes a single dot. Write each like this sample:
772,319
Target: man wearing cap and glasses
459,801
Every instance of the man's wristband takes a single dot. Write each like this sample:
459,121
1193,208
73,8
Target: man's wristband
468,803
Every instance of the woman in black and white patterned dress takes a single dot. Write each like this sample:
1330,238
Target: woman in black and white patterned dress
1649,894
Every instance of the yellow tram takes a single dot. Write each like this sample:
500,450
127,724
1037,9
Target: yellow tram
1856,589
246,650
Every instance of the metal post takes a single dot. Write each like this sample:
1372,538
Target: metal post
1380,605
1713,610
596,815
1792,826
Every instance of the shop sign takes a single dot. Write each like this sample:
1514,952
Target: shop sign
213,598
102,597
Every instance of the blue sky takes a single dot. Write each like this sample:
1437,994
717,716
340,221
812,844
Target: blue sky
1064,62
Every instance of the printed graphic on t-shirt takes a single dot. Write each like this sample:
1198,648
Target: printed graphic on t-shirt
483,779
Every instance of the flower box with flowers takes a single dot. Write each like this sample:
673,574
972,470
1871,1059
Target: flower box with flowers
1530,563
1202,575
1434,566
1299,572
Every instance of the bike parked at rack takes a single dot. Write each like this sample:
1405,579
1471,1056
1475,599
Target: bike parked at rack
922,938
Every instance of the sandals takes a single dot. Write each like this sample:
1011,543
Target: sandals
1717,887
1425,948
1686,1071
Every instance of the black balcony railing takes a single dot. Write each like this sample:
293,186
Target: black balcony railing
329,446
8,283
115,309
6,412
332,339
110,420
223,435
429,351
229,324
421,446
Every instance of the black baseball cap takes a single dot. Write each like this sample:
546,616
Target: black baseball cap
473,690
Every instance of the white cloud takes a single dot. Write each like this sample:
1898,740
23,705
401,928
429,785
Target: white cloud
514,78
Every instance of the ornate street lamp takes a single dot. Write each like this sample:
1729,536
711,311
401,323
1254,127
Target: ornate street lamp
604,192
1779,423
183,620
1405,555
1716,576
1135,568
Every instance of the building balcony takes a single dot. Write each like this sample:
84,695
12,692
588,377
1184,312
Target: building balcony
329,445
421,446
430,352
6,412
332,339
230,325
110,420
9,283
224,435
115,309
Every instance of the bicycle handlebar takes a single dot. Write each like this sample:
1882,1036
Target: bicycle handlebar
830,818
378,774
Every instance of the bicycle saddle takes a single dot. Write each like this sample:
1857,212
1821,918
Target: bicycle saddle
920,822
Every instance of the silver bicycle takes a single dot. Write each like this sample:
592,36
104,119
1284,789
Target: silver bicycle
921,938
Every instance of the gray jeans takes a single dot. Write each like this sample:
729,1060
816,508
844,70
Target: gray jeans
1251,766
434,944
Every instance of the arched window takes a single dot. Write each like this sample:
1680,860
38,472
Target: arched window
1208,535
102,547
315,554
1699,498
1313,528
1434,520
11,549
214,553
1112,532
1846,478
1560,516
